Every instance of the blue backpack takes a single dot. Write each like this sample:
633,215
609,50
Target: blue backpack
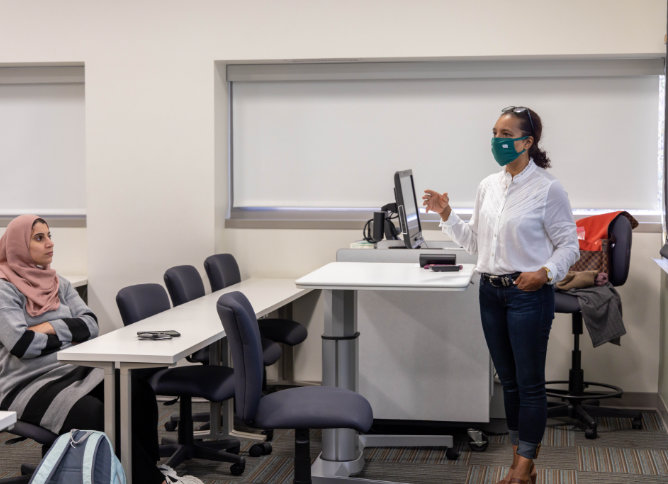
80,457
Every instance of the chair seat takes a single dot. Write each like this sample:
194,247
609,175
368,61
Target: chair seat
214,383
34,432
282,330
271,352
314,407
565,303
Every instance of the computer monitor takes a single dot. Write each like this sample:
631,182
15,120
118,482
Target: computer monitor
407,208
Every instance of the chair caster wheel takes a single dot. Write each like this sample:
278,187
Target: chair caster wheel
477,447
477,440
269,434
238,469
590,433
170,426
637,423
451,454
257,450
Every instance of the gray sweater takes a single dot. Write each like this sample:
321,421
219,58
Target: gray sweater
33,382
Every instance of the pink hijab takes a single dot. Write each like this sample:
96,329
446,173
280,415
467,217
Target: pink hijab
39,286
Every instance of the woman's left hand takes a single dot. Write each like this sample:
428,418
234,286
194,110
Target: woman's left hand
45,328
531,281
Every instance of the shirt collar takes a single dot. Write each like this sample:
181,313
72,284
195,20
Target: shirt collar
526,172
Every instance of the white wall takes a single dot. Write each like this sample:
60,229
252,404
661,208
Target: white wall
155,164
663,342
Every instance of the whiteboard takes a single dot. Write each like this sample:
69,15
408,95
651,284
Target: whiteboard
42,147
337,143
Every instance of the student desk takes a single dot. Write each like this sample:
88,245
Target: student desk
79,283
77,280
7,419
340,282
199,325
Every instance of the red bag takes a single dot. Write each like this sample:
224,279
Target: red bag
595,242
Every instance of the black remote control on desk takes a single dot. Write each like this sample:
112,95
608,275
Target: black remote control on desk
444,267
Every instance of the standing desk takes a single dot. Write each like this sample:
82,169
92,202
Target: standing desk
199,325
340,282
436,336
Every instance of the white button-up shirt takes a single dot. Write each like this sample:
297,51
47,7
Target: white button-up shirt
519,224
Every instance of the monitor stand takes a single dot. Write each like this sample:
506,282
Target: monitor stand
429,244
399,244
390,244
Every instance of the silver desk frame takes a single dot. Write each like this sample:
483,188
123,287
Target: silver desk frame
342,449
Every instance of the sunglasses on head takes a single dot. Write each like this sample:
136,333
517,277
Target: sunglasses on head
520,110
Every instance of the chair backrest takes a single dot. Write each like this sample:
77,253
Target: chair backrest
222,271
621,232
184,284
243,339
141,301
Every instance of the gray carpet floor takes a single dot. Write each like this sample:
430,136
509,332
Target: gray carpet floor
619,455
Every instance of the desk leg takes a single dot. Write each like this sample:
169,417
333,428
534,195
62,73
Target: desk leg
342,449
109,396
216,358
110,404
126,413
339,368
126,422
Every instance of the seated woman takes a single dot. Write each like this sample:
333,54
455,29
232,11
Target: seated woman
40,313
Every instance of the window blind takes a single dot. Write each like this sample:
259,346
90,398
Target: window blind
300,140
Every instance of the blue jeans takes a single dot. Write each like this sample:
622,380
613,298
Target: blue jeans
517,326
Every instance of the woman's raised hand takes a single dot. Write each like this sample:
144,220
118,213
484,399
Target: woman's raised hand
437,202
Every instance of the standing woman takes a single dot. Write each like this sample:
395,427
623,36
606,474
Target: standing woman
523,231
40,313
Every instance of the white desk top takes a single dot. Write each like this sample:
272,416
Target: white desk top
385,276
197,321
7,419
76,280
662,262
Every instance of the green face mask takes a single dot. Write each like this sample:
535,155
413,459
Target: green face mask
504,150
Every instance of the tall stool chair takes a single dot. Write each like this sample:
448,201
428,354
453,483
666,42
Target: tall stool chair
580,400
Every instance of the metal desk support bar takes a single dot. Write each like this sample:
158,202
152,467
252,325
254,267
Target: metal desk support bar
343,449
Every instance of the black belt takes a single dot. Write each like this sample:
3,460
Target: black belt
503,280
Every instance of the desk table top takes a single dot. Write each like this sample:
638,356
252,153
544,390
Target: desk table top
7,419
76,280
197,321
385,276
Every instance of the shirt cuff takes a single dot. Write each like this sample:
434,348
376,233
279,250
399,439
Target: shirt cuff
452,220
61,329
553,272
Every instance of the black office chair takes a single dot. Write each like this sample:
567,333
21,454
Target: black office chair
25,430
213,383
222,271
300,408
580,400
185,284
